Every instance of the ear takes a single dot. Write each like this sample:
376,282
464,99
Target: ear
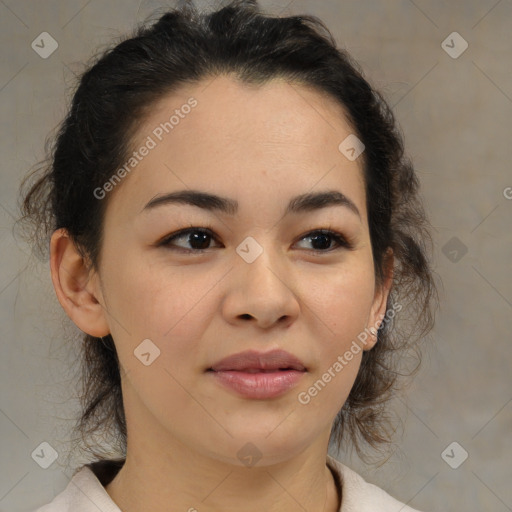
77,287
378,310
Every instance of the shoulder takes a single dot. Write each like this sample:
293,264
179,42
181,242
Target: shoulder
84,493
358,495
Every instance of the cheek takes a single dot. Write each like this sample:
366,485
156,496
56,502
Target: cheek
342,302
342,299
168,306
169,309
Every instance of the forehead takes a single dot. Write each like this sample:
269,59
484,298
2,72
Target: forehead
221,131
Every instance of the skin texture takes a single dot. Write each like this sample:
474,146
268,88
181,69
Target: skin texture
261,146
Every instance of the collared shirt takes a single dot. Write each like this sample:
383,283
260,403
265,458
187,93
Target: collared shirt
86,492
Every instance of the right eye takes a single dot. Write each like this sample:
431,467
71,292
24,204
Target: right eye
198,239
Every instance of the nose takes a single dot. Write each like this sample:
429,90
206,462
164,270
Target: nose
260,292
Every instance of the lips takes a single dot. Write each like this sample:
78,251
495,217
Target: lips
252,361
258,376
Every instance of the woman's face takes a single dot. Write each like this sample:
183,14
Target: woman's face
263,281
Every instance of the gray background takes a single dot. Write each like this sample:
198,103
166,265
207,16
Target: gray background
456,114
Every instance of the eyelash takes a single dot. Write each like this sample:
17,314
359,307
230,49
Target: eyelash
337,237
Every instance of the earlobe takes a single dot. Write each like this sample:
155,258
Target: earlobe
76,286
378,311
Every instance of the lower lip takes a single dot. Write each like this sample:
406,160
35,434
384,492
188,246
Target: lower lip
259,385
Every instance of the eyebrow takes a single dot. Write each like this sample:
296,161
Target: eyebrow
299,204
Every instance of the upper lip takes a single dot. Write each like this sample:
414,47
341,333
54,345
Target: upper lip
252,359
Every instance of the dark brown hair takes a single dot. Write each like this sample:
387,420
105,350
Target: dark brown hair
184,46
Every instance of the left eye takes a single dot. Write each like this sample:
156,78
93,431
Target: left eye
324,237
200,238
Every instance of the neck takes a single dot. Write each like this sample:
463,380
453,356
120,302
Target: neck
195,483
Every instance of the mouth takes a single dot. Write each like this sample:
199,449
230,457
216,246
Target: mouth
255,370
252,361
258,375
257,384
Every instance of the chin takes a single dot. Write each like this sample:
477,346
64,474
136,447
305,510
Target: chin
253,447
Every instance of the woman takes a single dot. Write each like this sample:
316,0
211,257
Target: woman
199,167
